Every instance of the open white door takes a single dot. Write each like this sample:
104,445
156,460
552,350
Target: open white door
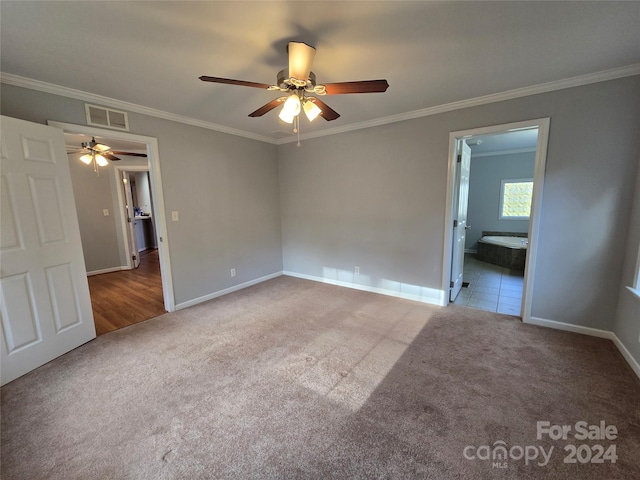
45,306
131,221
460,206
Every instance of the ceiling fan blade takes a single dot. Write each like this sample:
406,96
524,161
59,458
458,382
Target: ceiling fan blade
327,112
128,154
230,81
364,86
301,57
110,156
267,107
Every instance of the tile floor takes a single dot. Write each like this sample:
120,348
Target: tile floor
491,287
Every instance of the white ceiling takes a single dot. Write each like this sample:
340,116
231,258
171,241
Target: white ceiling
432,53
514,141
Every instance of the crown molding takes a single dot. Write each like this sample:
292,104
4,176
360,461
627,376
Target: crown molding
580,80
627,71
29,83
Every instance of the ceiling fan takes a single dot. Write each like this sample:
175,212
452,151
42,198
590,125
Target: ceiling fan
298,82
97,154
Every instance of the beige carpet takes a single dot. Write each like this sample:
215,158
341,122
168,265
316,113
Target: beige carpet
296,379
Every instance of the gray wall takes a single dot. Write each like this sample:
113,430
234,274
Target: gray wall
627,319
102,237
376,198
486,177
224,187
93,195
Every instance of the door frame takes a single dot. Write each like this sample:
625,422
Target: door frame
153,160
118,170
543,125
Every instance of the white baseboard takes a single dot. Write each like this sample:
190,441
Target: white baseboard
235,288
408,292
107,270
594,332
569,327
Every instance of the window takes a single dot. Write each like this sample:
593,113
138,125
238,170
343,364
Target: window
515,199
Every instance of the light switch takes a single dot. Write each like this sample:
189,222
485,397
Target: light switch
105,212
174,216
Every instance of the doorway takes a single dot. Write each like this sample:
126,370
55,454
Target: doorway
154,265
457,249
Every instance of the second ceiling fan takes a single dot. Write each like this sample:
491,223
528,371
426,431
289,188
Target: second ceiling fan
299,82
97,154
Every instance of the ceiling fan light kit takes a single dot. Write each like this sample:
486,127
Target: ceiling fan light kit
98,154
298,81
290,109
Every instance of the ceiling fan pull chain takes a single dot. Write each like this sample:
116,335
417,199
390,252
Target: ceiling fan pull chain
298,129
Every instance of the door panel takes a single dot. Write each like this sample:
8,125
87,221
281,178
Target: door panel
461,205
44,295
131,222
19,316
10,235
47,205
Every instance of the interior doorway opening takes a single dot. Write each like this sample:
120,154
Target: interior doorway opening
507,270
127,284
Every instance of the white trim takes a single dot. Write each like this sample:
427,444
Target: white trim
635,288
514,151
153,156
107,270
569,327
100,100
440,298
603,76
117,172
634,291
592,332
542,124
219,293
535,217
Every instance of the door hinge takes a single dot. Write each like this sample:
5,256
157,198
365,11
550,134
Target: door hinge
455,223
451,284
133,257
459,158
128,219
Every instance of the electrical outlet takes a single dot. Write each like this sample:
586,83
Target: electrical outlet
233,272
174,216
357,271
105,212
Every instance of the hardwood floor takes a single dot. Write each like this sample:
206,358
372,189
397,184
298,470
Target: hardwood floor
120,299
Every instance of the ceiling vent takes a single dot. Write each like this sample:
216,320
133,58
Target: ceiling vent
106,117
